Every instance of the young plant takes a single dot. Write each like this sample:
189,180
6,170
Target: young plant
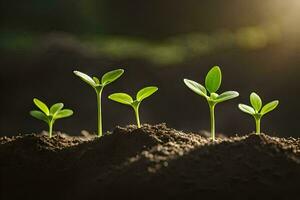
98,86
135,104
50,115
212,84
257,111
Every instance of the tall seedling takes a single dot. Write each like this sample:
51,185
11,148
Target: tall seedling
98,86
212,84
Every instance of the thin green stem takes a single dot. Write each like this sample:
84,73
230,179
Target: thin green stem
136,110
212,121
99,108
50,129
257,123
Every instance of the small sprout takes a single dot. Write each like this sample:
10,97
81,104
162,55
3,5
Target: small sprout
212,84
98,86
257,111
135,104
50,116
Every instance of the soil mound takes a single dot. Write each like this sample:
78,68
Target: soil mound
146,163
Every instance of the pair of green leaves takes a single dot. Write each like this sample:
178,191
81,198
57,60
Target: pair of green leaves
128,100
106,79
49,116
257,109
213,82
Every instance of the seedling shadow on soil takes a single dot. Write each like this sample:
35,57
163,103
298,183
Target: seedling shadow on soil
146,163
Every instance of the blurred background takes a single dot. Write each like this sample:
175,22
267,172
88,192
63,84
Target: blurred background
256,43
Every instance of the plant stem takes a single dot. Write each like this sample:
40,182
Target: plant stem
257,122
136,110
50,129
212,121
99,107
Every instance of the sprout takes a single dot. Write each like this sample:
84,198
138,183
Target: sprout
212,83
257,111
135,104
98,86
50,116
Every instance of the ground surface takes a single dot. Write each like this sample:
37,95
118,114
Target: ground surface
153,162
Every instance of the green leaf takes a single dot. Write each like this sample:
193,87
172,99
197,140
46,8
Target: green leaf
226,96
269,107
39,115
121,98
246,109
41,106
96,80
55,108
196,87
213,96
145,92
213,79
111,76
255,101
85,78
63,114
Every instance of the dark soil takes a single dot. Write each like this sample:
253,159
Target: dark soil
154,162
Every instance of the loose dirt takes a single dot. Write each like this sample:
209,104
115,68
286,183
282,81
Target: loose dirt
153,162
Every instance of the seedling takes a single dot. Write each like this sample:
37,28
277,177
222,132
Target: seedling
98,86
135,104
257,111
50,115
212,84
